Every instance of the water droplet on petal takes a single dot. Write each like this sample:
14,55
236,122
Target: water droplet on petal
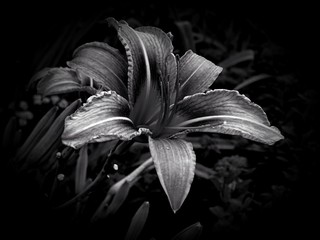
115,167
168,148
224,122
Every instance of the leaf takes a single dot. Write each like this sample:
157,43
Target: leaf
37,133
138,221
52,135
196,74
252,80
225,111
104,117
11,138
193,232
204,172
105,65
175,162
245,55
186,35
218,211
81,170
9,131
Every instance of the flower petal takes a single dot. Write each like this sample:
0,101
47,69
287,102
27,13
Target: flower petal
104,117
61,80
225,111
146,49
102,63
196,74
174,161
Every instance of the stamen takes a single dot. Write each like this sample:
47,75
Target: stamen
162,104
176,89
147,84
166,100
148,72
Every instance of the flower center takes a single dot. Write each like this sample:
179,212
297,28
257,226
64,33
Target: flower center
156,104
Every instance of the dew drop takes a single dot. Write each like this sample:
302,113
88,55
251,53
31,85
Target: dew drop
224,122
115,167
168,148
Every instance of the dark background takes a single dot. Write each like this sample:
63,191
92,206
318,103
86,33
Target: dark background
30,29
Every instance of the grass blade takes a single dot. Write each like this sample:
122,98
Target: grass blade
251,80
186,35
37,133
246,55
9,131
81,170
53,134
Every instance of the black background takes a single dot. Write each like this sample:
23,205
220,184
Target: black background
28,27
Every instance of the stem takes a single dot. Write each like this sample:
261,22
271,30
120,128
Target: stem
130,179
102,175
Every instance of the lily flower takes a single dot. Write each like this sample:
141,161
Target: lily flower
154,96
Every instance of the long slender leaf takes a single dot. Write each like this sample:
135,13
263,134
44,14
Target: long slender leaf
53,134
38,132
81,170
186,35
246,55
251,80
9,131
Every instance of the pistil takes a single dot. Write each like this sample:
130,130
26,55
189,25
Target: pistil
141,104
